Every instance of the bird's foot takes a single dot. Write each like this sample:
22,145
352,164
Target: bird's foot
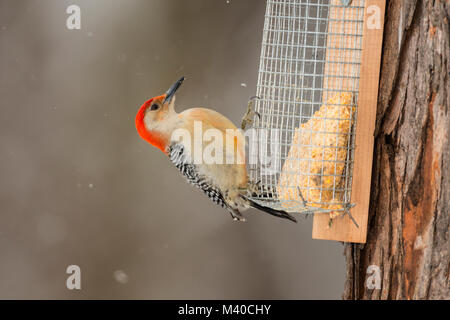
237,216
247,120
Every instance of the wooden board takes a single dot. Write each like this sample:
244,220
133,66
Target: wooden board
342,228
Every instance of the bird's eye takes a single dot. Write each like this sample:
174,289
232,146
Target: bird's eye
154,106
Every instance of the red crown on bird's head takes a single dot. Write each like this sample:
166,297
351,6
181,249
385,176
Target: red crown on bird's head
140,125
152,137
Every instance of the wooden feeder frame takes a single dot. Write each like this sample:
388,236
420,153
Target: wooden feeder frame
341,20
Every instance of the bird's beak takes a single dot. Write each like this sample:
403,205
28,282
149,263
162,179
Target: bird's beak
171,92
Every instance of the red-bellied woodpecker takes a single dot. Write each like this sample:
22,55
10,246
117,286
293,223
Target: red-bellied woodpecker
221,174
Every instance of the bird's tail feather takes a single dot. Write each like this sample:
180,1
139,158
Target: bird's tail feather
273,212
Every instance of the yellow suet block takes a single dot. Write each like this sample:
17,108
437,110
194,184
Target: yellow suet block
316,161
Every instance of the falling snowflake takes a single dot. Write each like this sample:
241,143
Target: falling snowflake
121,277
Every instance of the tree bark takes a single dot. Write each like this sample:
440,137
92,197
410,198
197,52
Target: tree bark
408,230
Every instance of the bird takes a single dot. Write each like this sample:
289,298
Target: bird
223,178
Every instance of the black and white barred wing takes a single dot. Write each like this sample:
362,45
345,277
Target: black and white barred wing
182,161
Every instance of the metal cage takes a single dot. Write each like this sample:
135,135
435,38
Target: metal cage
302,143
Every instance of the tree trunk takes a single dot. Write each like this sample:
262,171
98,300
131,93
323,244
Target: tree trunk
408,230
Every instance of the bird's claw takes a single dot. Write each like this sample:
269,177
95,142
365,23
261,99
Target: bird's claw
247,119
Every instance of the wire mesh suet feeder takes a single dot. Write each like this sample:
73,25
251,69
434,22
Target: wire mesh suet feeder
317,88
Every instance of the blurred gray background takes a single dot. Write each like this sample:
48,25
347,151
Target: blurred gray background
78,186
